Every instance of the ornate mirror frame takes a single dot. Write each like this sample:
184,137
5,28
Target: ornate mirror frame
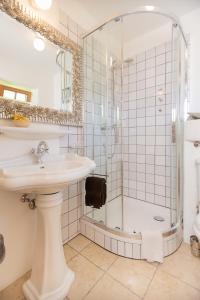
37,113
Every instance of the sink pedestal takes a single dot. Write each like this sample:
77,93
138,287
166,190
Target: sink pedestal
51,278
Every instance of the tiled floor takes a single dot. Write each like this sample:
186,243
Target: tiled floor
101,275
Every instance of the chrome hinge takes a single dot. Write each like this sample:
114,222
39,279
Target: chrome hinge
173,133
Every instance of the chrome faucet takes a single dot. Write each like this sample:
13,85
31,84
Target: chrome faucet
41,151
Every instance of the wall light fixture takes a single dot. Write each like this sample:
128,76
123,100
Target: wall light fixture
39,43
42,4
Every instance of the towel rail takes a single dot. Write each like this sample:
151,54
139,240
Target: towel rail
96,174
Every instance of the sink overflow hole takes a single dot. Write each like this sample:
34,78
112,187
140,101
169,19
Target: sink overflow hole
159,219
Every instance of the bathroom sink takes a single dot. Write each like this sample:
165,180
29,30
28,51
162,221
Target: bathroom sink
51,176
46,175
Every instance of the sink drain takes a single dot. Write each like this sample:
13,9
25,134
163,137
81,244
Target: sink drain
159,219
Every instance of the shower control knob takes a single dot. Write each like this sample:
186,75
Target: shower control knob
32,204
24,198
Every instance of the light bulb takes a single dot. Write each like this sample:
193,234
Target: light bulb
149,7
39,44
42,4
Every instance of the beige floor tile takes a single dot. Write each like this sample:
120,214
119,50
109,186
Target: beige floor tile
109,289
79,242
14,291
86,275
69,252
134,274
99,256
183,266
167,287
184,249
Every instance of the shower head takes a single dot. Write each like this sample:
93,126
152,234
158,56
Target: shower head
113,62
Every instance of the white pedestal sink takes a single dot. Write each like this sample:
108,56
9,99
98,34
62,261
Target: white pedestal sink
50,278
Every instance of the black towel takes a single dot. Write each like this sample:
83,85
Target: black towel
95,188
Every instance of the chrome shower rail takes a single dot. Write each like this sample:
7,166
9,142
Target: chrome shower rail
143,9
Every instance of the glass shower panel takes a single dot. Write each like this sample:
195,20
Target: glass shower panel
102,73
179,99
183,108
114,200
95,98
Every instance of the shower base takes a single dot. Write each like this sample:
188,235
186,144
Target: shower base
126,244
140,216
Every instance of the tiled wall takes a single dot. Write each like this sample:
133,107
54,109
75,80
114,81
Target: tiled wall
147,126
123,245
72,142
72,195
70,28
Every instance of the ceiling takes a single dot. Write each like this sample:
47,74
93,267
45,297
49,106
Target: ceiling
134,26
92,13
100,10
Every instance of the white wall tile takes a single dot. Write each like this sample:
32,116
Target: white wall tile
99,238
108,243
73,229
136,251
128,250
89,232
121,248
114,246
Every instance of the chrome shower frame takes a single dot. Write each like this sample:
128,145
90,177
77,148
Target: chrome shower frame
175,23
143,9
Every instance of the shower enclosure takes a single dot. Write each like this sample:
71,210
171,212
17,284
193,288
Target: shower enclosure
135,93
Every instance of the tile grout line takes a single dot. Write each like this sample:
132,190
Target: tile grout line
93,286
181,280
149,285
72,256
124,286
96,264
104,273
79,251
121,282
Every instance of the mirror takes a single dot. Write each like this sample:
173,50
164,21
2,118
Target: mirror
64,62
32,69
39,69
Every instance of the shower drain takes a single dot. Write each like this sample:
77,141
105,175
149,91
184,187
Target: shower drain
159,219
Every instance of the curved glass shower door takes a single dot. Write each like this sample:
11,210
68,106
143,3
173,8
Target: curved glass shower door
179,104
102,86
135,98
